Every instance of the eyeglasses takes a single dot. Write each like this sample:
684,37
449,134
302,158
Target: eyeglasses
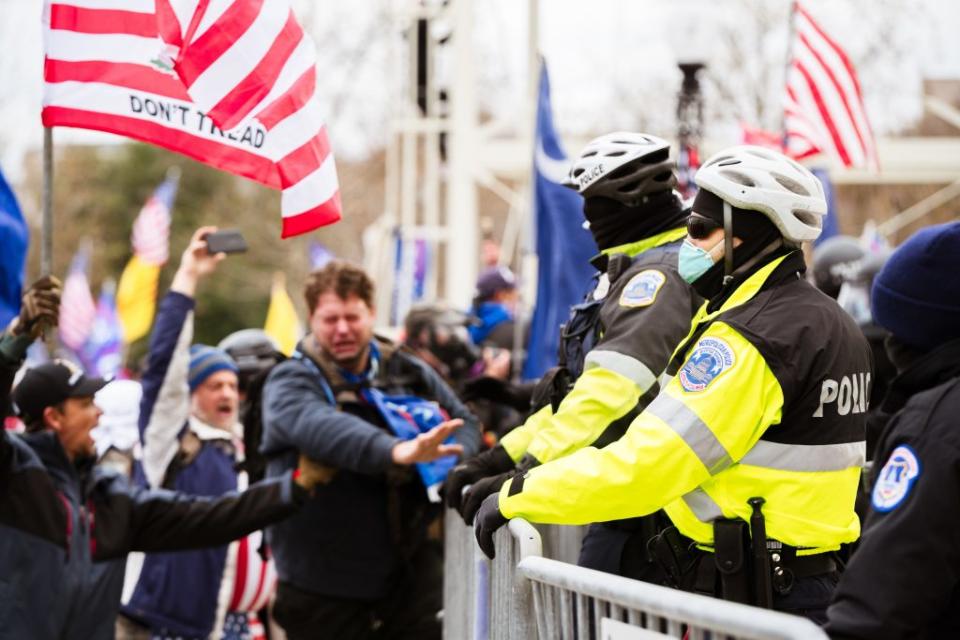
699,227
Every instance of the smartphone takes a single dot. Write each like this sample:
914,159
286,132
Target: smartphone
226,241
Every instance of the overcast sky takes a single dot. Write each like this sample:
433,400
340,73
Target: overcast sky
612,62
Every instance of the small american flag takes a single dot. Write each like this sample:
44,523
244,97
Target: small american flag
824,109
151,229
77,308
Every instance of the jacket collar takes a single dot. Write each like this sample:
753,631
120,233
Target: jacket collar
931,370
67,475
633,249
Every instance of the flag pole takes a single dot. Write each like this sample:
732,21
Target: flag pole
791,33
46,237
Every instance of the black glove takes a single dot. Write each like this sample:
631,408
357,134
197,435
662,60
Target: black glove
482,465
479,491
489,519
498,391
482,488
39,307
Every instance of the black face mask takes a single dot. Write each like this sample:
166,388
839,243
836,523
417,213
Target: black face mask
613,224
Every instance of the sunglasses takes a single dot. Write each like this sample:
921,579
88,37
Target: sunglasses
700,227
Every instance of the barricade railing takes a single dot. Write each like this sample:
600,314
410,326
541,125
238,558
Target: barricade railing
522,595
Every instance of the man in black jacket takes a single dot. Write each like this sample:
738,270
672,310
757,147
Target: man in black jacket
357,561
66,526
903,580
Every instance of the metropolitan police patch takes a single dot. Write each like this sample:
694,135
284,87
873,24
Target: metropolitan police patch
642,289
710,358
895,479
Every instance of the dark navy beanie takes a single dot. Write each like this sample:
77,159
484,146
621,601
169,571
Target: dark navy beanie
916,296
206,361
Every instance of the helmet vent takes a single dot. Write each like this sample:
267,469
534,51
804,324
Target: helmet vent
790,184
666,176
739,178
588,154
616,154
577,172
727,163
808,218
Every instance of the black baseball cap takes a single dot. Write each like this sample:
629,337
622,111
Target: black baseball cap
49,385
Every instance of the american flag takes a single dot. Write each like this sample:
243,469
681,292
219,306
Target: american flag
824,111
77,308
151,229
231,84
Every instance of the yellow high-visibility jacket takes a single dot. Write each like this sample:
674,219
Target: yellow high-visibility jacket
645,312
769,399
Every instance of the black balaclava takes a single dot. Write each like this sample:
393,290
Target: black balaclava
756,231
613,223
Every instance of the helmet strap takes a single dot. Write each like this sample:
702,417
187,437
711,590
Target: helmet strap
727,243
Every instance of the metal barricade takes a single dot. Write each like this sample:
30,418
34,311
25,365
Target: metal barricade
574,603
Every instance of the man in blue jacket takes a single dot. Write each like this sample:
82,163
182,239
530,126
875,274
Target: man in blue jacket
357,562
67,526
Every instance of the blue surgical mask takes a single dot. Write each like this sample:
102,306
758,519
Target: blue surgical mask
694,261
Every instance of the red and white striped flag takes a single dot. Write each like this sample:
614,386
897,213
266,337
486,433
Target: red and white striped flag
231,84
824,110
77,308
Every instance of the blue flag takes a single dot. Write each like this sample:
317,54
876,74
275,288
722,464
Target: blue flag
101,353
564,247
831,226
14,240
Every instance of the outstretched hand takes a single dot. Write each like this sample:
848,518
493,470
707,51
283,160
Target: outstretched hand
428,446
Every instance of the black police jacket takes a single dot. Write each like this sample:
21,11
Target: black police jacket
904,580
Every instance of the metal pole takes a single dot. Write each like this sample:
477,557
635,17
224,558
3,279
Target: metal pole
791,29
46,240
524,213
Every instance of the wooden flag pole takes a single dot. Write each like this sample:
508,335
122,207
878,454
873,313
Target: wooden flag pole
46,238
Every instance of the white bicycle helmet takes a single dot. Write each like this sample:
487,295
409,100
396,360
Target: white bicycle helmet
626,167
763,180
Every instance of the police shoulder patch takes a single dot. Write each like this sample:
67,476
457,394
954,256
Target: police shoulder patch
642,289
895,479
710,358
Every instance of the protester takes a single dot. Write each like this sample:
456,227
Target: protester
902,581
192,442
357,561
67,525
761,422
618,340
494,308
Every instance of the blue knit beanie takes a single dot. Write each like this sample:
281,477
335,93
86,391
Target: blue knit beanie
206,361
916,296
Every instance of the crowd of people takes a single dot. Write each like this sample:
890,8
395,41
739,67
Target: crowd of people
722,421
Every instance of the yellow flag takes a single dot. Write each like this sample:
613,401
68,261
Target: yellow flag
137,298
282,323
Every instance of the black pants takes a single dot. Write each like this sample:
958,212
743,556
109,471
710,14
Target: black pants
620,548
408,611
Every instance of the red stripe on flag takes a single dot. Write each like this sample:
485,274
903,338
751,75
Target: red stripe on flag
290,101
240,579
839,89
209,152
215,41
833,45
121,74
300,163
168,24
102,21
237,105
326,213
824,113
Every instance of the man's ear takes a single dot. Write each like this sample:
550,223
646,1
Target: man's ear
51,418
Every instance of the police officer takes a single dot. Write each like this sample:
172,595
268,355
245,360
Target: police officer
761,422
618,340
902,581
